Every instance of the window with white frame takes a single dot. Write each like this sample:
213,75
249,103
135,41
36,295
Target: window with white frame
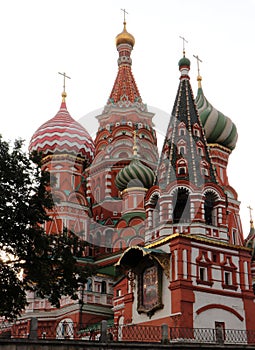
182,149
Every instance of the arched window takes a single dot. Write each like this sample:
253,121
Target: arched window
65,329
210,210
89,285
103,287
182,150
156,215
200,151
181,146
182,167
182,129
181,205
204,168
97,194
196,132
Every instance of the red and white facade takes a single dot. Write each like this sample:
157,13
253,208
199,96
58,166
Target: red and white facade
177,239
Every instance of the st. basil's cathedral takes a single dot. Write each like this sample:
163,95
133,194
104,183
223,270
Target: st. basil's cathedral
163,227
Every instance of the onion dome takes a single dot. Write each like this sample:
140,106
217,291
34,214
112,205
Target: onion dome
184,67
124,37
136,174
218,128
184,61
62,134
250,240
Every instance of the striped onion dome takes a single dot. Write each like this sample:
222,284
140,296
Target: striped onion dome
136,174
218,128
62,134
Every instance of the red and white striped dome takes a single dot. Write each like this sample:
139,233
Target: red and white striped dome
62,134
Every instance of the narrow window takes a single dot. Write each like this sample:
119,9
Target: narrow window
200,151
57,180
73,181
202,274
234,236
89,285
182,171
227,277
103,287
181,206
182,150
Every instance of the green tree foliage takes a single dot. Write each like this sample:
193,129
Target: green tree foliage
30,259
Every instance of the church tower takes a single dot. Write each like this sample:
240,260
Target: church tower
118,215
67,149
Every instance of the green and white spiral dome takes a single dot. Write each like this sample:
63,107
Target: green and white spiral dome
135,174
219,129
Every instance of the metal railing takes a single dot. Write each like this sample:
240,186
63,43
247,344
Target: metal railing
127,333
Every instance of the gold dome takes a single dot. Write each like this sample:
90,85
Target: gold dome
124,37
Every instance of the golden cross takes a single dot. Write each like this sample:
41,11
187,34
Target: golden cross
125,12
65,76
198,60
183,43
250,209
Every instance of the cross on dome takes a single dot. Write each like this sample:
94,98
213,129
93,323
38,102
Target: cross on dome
125,12
198,60
199,78
250,209
64,85
183,44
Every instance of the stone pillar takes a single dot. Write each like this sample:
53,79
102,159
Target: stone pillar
33,328
164,337
103,337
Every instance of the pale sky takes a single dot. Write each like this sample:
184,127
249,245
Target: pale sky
41,38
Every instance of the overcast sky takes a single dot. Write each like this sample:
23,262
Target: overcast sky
41,38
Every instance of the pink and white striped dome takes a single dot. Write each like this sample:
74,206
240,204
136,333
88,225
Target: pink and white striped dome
62,134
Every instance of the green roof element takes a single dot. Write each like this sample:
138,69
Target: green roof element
107,270
184,61
128,216
135,174
219,129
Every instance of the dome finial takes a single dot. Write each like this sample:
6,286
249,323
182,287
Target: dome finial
64,86
125,12
199,78
124,37
183,44
251,220
184,63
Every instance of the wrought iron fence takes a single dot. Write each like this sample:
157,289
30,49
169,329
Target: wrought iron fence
128,333
134,332
210,335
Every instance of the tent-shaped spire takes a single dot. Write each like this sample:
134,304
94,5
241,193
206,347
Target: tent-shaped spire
185,154
124,88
